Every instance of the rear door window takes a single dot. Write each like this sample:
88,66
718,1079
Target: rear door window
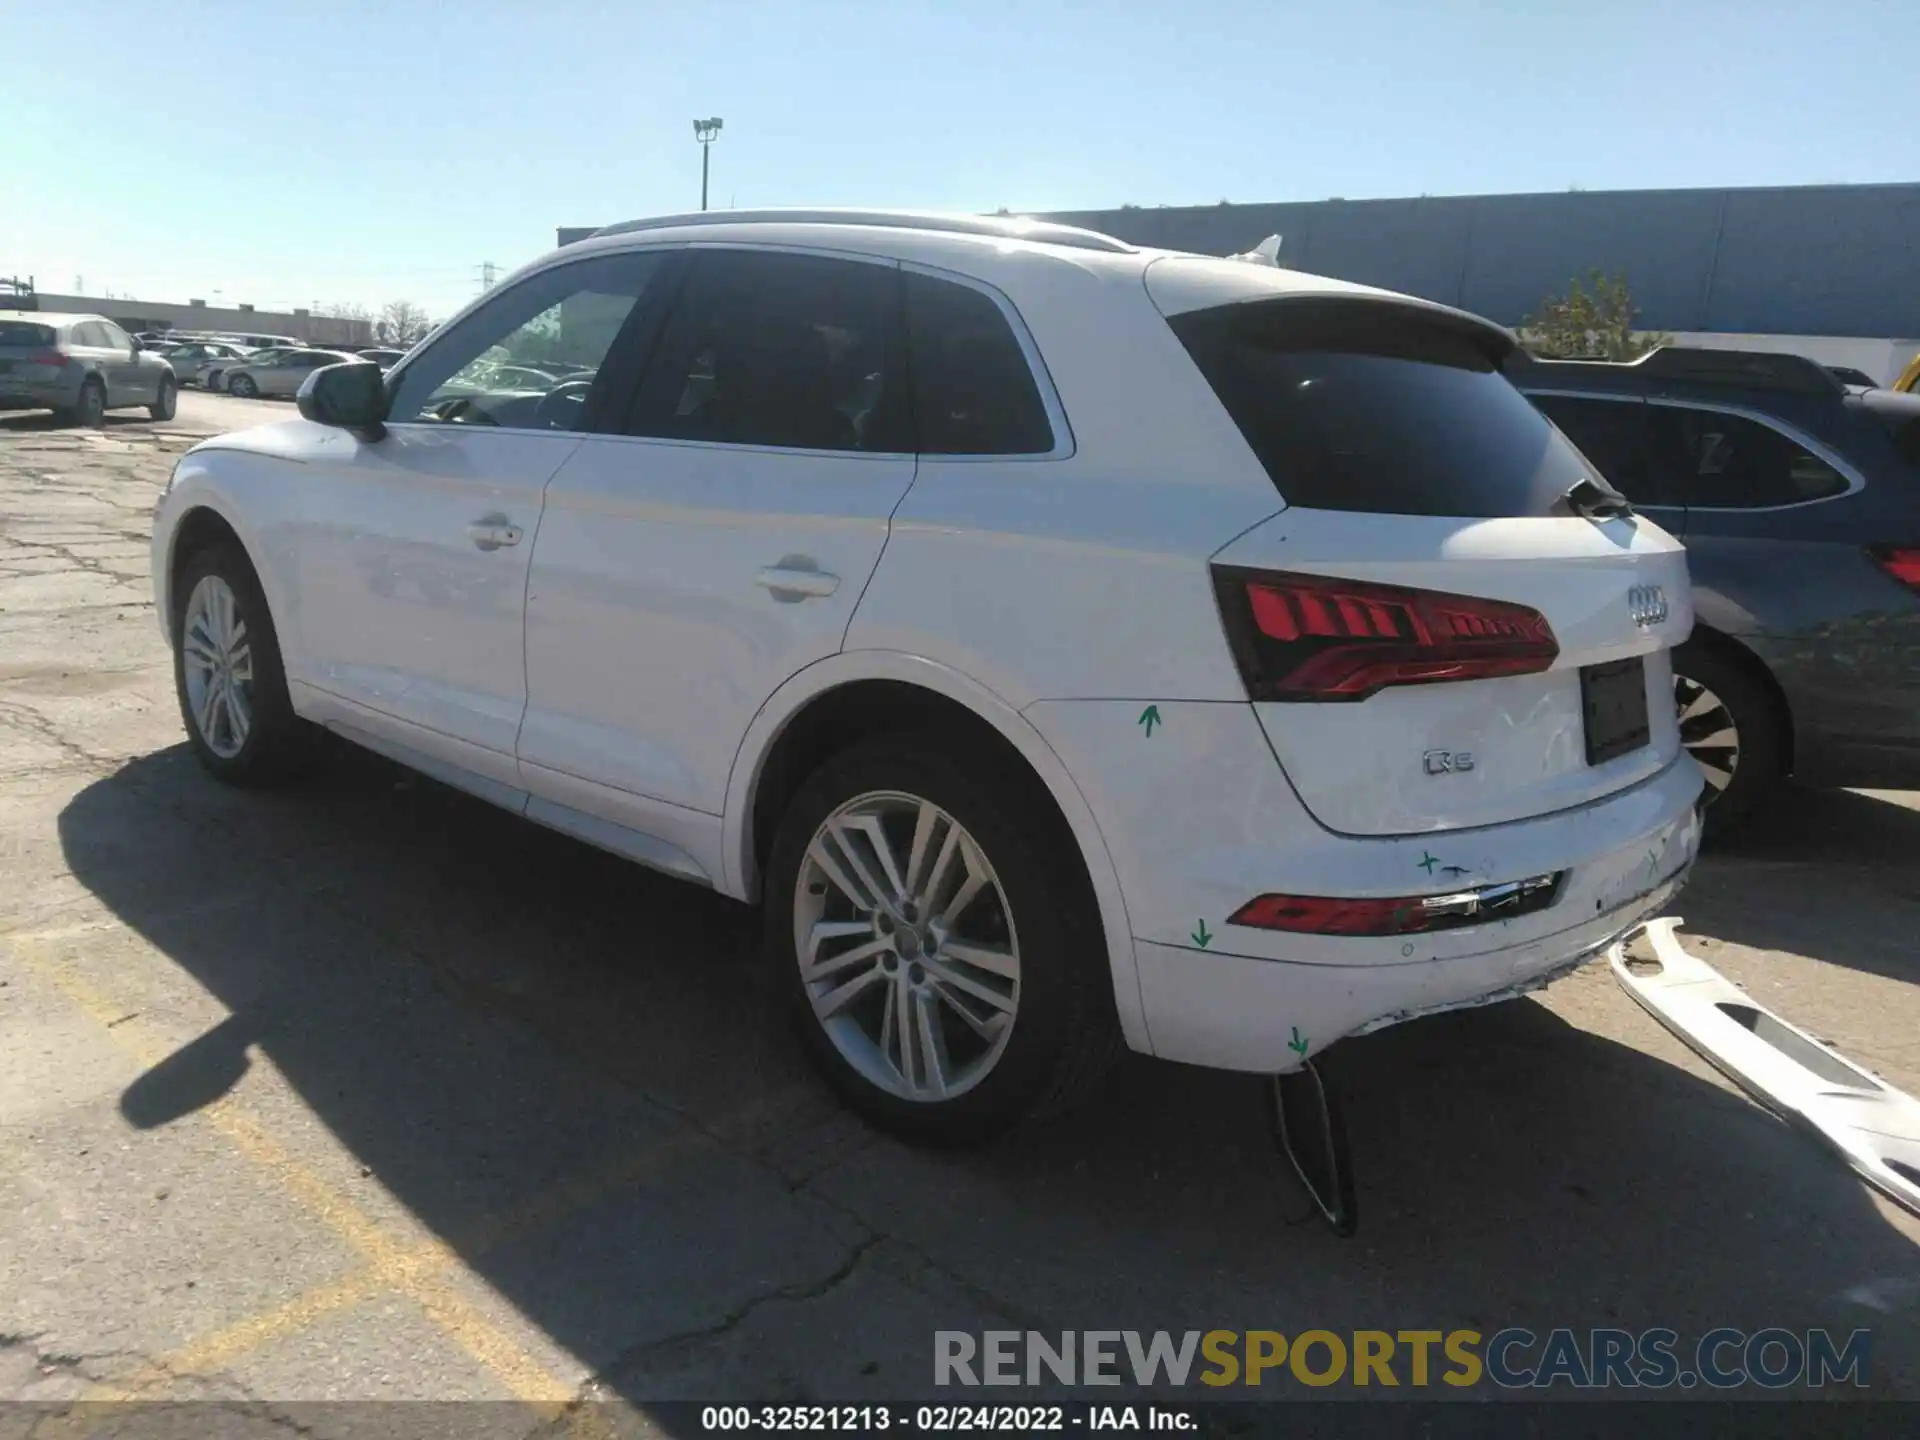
973,388
1732,462
1613,434
772,349
1377,408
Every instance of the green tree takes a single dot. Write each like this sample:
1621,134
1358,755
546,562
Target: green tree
1590,322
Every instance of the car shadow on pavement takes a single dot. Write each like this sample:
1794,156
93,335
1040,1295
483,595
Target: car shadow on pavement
1833,875
572,1072
28,422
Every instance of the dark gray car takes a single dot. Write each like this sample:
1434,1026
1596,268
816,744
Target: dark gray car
1799,501
79,367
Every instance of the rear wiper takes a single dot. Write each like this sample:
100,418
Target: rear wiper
1591,501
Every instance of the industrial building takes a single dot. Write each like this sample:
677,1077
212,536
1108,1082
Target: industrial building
1828,271
138,315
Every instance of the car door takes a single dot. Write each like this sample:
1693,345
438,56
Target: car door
126,376
689,566
408,554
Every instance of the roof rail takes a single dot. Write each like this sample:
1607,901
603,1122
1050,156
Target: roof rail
1764,369
1007,227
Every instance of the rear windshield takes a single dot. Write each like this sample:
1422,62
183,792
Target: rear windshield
16,332
1364,406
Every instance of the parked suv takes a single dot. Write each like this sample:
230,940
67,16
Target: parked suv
1799,500
1066,643
79,367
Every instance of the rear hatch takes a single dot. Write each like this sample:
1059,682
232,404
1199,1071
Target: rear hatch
27,351
1454,622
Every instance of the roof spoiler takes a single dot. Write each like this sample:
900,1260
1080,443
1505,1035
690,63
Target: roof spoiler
1695,364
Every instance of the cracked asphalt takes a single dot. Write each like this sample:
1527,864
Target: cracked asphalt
365,1091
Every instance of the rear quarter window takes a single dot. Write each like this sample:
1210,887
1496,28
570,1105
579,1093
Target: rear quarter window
1377,408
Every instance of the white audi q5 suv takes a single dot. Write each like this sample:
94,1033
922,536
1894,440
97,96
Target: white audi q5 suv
1068,644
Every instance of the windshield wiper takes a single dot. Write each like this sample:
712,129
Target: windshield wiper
1595,502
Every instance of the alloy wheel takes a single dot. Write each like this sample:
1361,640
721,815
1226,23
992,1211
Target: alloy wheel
217,659
1708,731
906,946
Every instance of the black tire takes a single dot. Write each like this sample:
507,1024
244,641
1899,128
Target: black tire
1744,775
278,741
91,409
167,402
1064,1034
243,386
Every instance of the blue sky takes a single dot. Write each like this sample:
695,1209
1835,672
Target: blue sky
284,153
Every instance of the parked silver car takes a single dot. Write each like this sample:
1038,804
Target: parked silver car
194,356
79,367
213,373
280,373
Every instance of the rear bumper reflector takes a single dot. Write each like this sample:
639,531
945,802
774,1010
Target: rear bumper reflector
1874,1127
1398,915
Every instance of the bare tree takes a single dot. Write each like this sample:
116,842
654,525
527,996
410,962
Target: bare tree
401,323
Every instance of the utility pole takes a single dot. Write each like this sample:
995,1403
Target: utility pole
488,272
706,132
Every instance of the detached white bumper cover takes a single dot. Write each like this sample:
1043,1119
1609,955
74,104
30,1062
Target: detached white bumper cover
1876,1127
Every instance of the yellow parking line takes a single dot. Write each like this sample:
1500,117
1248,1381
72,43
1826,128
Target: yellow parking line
473,1332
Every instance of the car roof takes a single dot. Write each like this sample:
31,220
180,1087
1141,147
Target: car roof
55,318
1754,373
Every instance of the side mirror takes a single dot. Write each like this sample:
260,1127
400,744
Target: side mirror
351,395
138,344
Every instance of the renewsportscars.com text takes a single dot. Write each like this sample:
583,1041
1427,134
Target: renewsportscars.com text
1514,1358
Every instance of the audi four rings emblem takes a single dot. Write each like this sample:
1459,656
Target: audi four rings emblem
1647,604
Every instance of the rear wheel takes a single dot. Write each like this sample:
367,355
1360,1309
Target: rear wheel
91,408
227,672
1733,729
243,386
167,401
944,962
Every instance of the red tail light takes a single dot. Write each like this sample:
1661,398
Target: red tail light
1901,562
47,357
1313,637
1399,914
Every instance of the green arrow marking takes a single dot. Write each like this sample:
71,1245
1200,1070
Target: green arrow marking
1297,1045
1426,862
1201,937
1150,717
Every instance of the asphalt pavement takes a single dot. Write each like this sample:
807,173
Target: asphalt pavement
364,1090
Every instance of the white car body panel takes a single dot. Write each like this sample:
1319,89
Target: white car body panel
1358,766
622,673
651,640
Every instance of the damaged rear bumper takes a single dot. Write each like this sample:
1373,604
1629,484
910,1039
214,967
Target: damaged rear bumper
1874,1127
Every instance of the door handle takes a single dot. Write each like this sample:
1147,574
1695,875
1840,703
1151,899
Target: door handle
788,581
493,532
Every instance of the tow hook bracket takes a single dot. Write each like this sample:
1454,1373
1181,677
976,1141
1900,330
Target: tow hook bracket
1308,1129
1875,1128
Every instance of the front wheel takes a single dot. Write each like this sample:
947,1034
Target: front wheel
1733,729
227,672
244,387
167,401
938,945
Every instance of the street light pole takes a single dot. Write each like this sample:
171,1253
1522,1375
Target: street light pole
706,132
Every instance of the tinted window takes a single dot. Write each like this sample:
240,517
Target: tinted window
786,350
1612,434
1370,407
561,322
14,332
973,391
88,334
113,337
1731,462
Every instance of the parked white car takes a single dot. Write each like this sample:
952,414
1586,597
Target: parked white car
1066,643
